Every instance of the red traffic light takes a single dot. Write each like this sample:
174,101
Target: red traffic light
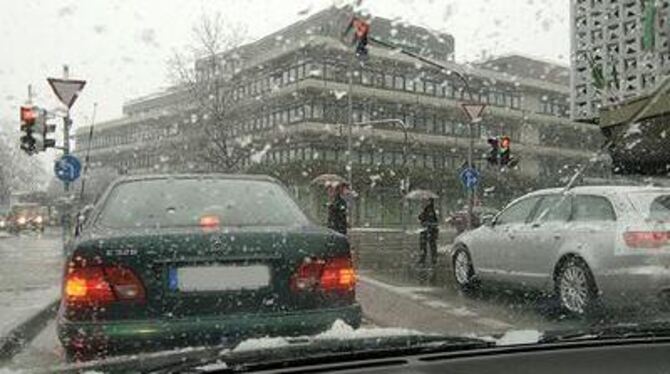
505,142
28,115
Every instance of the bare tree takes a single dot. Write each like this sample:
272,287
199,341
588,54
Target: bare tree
206,73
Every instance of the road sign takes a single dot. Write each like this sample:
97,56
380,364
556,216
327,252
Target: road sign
473,110
67,90
470,177
67,168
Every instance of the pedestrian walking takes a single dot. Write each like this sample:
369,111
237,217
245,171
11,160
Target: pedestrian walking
337,209
429,233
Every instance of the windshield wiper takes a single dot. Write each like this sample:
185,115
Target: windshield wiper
647,330
329,351
297,351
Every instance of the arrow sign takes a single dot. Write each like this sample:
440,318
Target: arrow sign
67,90
67,168
470,177
473,110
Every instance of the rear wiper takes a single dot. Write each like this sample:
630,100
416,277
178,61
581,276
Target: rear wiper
647,330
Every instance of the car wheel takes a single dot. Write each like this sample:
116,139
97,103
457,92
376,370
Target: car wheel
576,288
463,269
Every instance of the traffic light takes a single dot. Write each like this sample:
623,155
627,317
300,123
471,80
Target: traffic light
42,131
35,131
361,29
494,152
505,155
28,118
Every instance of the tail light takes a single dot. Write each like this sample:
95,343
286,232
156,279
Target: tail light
335,274
646,239
102,285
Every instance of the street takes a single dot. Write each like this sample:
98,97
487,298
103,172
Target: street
33,263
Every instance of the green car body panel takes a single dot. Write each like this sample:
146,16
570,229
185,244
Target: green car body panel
168,317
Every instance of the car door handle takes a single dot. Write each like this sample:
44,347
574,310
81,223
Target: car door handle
557,236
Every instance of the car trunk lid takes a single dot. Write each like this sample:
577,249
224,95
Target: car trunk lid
189,272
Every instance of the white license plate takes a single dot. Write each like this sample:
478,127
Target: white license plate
222,278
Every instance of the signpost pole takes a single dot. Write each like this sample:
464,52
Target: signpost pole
471,191
67,168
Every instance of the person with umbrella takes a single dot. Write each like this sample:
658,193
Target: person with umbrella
337,208
428,236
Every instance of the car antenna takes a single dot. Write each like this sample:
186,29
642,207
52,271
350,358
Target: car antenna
88,152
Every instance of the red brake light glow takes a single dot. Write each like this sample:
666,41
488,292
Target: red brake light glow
325,275
646,239
101,285
209,221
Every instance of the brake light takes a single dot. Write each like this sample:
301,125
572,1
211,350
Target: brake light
325,275
102,284
646,239
209,222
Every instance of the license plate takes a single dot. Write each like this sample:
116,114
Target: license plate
218,278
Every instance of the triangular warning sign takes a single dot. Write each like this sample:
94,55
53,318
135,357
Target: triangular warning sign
67,90
473,110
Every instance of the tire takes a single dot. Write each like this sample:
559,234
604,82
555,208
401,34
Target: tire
576,288
463,270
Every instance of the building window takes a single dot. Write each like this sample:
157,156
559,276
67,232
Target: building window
429,88
366,77
399,82
388,81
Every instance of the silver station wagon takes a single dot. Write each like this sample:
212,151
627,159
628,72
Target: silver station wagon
608,244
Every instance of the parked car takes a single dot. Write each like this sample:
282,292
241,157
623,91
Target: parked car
181,260
588,245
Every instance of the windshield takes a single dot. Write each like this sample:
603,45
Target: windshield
186,202
184,177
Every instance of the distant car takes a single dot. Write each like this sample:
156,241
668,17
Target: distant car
459,219
591,244
184,260
26,216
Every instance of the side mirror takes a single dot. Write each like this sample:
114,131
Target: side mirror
488,220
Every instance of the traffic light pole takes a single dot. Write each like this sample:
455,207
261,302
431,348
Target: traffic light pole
471,191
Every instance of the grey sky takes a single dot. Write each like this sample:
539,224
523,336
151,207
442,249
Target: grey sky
121,47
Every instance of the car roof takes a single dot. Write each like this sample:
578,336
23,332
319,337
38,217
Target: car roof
249,177
604,190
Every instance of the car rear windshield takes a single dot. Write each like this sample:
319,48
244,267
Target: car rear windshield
186,202
652,206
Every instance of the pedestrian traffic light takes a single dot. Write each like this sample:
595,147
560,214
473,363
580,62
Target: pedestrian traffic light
494,152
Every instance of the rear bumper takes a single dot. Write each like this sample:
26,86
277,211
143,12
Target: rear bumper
120,336
646,283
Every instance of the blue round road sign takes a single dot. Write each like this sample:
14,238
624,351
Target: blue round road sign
68,168
470,177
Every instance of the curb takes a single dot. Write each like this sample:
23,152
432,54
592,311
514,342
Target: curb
20,336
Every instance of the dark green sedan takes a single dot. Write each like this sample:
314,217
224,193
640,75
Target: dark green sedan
183,260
